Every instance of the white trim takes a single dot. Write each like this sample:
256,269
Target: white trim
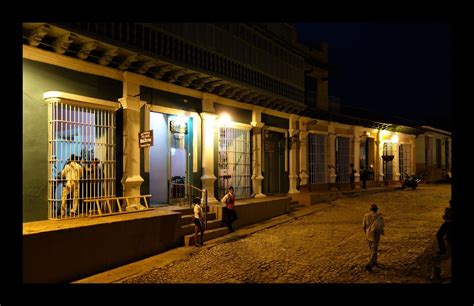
83,101
318,132
344,135
276,129
67,62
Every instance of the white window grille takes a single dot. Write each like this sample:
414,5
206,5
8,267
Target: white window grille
429,151
342,159
234,162
404,160
388,150
317,158
87,134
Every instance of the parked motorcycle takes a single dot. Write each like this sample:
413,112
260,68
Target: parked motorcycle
411,181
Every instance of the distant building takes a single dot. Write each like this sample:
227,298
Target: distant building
433,154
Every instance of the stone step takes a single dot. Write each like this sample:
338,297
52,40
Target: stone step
189,219
189,228
296,206
208,235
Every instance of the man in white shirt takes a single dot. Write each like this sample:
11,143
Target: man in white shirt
198,221
72,173
373,227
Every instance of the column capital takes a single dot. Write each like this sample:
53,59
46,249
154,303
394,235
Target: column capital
257,124
207,115
293,132
131,103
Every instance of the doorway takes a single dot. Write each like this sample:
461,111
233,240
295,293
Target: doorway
275,177
169,156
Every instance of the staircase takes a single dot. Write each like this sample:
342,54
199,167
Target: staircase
213,230
295,205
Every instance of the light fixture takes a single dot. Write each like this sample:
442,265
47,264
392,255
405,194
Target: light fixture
224,119
395,138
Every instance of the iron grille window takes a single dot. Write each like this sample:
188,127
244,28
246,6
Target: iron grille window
388,150
428,151
404,160
234,162
317,162
81,157
342,159
438,153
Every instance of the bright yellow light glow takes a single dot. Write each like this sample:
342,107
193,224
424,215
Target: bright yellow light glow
224,119
384,133
367,133
395,138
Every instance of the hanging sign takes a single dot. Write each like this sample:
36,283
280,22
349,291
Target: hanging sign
145,139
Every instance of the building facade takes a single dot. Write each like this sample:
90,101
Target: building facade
242,105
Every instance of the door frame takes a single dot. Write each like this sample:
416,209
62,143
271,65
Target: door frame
277,130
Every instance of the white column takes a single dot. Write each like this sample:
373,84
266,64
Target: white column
257,177
304,151
208,178
332,154
131,180
379,162
357,157
396,161
292,131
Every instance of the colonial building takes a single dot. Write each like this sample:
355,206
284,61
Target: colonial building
229,104
433,154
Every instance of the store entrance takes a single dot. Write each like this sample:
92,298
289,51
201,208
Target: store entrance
275,178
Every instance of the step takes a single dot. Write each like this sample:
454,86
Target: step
296,207
208,235
189,219
189,228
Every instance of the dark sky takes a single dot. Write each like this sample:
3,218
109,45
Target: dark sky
401,68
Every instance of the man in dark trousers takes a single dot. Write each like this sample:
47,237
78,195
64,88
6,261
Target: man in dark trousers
444,230
229,215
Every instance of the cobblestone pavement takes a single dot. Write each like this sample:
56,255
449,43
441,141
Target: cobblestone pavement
327,246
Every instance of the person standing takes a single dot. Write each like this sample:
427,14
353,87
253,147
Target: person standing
72,173
198,222
229,210
352,172
373,227
363,176
444,230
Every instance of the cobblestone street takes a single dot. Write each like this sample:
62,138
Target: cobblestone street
327,246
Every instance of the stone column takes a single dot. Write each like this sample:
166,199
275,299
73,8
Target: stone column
208,178
357,155
131,180
379,162
257,177
292,131
332,154
304,151
396,161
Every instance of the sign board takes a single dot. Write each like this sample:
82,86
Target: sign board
145,139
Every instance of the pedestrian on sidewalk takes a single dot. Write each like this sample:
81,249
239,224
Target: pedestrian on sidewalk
444,230
363,176
198,222
352,173
373,227
229,215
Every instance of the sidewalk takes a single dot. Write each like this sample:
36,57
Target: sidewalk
120,274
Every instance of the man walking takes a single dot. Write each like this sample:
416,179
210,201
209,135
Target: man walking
373,227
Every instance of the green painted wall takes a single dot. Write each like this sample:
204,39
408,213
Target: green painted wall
274,121
37,79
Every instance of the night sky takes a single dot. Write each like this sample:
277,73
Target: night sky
402,68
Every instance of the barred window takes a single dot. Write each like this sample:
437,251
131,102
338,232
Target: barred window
388,150
317,155
428,151
404,160
82,158
342,159
234,162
